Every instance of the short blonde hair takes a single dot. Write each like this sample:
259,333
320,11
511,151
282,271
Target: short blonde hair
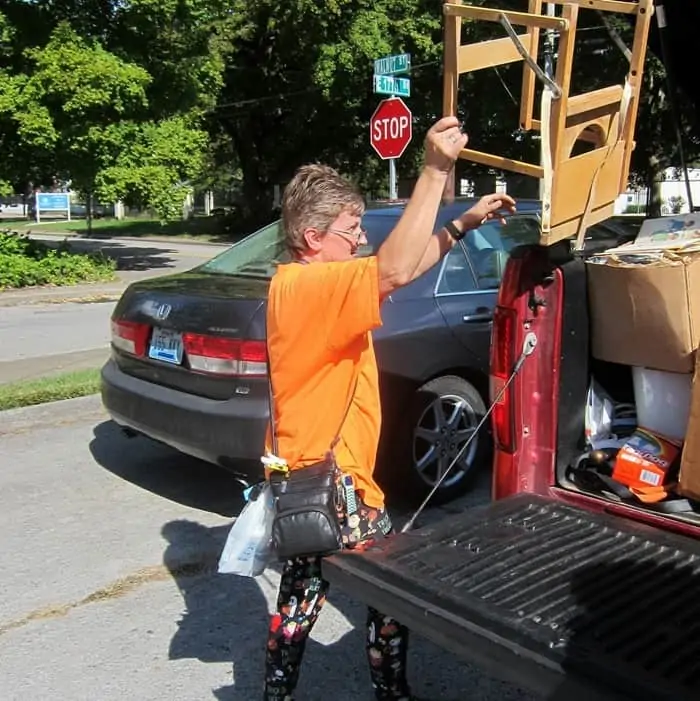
314,198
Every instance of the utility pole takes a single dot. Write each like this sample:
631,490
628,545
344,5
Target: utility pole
673,99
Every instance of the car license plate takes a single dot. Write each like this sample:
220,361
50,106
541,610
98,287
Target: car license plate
166,345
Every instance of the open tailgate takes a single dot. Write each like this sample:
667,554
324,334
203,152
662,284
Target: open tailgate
566,602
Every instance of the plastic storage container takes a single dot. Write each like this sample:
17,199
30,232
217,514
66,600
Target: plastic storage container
663,401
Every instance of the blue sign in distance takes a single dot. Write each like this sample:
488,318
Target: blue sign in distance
53,201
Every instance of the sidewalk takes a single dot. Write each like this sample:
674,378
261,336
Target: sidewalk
61,235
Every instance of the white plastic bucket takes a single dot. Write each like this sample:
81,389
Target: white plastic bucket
663,401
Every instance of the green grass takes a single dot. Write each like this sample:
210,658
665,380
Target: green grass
198,228
49,389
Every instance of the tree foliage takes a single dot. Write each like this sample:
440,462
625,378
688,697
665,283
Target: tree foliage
110,96
141,99
298,84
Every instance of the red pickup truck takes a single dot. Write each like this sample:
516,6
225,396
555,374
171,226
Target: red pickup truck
560,586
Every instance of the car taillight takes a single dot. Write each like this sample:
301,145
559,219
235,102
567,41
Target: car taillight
504,355
502,362
225,356
130,336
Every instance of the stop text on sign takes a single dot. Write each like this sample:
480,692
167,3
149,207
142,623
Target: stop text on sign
391,128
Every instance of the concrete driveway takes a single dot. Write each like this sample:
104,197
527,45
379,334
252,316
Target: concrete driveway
107,568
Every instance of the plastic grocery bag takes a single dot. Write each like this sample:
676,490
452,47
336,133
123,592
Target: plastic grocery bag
248,545
599,414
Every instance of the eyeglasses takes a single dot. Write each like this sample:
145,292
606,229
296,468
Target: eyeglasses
354,237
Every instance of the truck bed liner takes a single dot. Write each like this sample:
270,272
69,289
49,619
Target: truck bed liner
566,602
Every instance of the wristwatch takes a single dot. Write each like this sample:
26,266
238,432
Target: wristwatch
453,231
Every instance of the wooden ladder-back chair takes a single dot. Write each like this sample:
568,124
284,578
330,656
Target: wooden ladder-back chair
577,191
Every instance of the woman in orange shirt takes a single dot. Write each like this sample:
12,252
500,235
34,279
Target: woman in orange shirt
321,310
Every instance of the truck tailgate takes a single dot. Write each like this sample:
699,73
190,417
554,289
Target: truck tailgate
566,602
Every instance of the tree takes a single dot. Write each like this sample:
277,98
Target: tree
298,86
142,99
68,103
154,164
5,93
113,98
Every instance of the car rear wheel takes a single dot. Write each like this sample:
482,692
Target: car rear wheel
443,415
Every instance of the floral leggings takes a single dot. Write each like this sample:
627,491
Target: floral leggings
302,594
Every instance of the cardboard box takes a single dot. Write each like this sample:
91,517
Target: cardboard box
646,315
689,478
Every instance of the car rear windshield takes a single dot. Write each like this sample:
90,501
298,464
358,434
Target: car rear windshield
259,254
256,255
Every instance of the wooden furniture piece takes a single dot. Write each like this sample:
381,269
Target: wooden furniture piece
577,190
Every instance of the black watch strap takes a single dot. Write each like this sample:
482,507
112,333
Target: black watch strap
453,231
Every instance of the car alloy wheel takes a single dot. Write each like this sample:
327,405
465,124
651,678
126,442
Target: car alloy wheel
440,436
437,417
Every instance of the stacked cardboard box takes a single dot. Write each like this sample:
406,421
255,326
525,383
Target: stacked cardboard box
645,312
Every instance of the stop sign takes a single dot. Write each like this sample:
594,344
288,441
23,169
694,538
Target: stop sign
391,128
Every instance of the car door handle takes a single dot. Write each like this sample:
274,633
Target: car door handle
479,316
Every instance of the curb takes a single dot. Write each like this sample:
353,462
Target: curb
24,419
51,366
35,296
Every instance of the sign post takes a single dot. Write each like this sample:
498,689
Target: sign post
391,126
391,130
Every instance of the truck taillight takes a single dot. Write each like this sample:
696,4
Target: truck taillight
503,359
130,336
225,356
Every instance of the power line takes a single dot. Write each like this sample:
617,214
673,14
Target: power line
283,96
308,91
267,98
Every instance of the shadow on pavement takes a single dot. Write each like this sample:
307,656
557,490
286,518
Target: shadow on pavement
225,617
164,471
138,258
128,257
225,621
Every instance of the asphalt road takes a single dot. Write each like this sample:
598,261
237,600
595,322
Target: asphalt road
34,331
68,335
107,568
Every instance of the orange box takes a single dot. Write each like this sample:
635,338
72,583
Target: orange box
644,460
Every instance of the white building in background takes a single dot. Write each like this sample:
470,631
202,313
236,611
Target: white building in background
674,195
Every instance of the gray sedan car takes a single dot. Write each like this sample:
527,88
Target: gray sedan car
188,355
